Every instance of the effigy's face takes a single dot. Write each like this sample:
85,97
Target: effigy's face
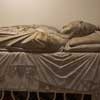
71,27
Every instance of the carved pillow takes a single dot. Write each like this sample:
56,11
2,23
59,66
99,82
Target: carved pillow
93,38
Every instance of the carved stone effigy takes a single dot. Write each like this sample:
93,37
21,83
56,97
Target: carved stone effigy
68,67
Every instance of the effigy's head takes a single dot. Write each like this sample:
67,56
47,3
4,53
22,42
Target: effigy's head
78,29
